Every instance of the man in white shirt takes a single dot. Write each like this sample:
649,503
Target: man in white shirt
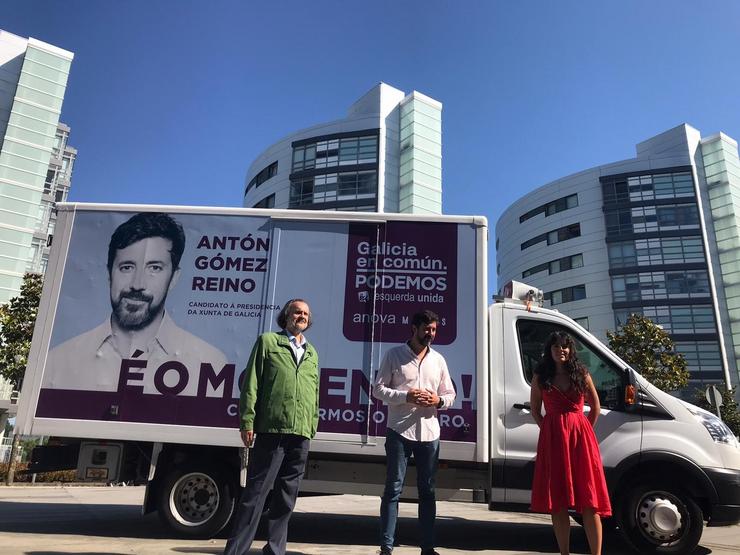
415,383
144,256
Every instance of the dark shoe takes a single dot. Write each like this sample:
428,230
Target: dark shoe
429,552
385,550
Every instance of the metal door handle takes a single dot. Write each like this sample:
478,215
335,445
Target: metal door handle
523,406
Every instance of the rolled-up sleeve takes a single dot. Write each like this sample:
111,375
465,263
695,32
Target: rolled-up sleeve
445,391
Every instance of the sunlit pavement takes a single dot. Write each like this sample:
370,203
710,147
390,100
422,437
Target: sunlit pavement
55,520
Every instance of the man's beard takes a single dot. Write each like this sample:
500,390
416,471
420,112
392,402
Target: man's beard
424,340
135,317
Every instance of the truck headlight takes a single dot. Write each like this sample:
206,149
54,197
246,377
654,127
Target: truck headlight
719,431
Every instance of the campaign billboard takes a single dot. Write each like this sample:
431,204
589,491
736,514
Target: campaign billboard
157,313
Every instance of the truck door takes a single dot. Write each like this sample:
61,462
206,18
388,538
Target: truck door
618,430
310,259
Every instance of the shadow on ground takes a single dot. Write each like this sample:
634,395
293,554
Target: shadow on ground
324,530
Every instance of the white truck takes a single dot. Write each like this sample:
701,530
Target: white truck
158,404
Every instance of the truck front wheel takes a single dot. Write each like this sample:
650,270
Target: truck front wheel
660,518
196,501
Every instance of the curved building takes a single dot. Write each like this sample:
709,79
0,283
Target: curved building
385,156
658,234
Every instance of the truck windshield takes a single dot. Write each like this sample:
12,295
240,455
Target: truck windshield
608,379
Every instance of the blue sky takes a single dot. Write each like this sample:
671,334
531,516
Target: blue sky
169,102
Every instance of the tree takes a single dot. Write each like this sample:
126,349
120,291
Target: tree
728,411
17,319
649,349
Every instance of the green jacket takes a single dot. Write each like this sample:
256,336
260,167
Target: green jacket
278,395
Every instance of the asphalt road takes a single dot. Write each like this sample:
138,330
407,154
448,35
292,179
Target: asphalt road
107,521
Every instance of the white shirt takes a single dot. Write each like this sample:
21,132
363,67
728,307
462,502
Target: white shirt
401,371
298,347
90,361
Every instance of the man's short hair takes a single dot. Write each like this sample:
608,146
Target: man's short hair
145,225
424,318
282,317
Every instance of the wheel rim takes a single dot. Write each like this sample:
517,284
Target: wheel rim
659,517
194,499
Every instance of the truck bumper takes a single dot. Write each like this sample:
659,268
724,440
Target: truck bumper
726,511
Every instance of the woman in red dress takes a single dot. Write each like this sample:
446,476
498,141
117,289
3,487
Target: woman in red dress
568,472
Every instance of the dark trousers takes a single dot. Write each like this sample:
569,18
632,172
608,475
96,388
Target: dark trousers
276,462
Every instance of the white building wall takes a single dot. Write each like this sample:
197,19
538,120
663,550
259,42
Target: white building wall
378,109
669,149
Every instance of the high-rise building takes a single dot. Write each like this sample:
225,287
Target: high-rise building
56,189
33,80
385,156
658,235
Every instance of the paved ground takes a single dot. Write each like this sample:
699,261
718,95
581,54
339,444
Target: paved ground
107,521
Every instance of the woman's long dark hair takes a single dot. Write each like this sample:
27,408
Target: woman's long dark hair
545,369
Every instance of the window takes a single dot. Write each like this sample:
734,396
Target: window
50,180
660,285
534,240
342,187
609,380
556,266
535,269
267,202
637,188
701,356
566,295
697,318
555,236
550,208
333,152
644,219
583,322
658,250
262,176
563,234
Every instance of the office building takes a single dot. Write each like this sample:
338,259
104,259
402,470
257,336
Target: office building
658,235
385,156
56,189
33,79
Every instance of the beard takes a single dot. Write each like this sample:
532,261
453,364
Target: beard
138,314
424,340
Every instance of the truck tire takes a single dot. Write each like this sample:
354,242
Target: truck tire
196,501
660,518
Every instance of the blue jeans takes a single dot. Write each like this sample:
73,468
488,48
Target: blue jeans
398,450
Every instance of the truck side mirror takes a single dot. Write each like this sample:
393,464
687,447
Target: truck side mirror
630,395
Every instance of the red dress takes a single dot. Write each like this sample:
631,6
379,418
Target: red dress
568,471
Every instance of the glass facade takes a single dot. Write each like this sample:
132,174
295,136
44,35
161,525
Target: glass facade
657,263
656,251
27,148
722,174
420,173
338,172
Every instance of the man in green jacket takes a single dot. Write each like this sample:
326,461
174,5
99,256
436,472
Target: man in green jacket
279,411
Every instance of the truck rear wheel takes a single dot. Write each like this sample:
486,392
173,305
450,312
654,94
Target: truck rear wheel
196,501
660,518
